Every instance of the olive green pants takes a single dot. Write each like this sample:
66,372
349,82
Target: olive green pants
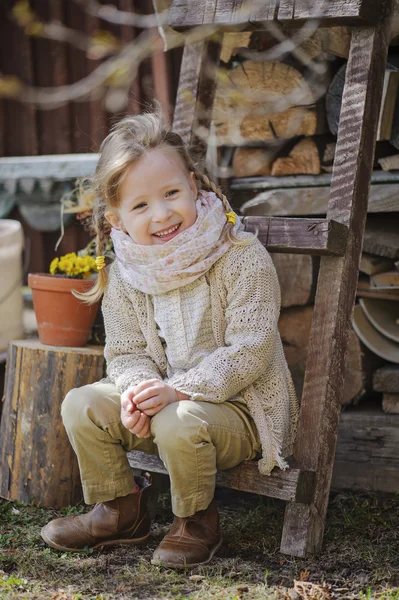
193,439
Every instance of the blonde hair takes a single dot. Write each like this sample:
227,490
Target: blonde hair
128,141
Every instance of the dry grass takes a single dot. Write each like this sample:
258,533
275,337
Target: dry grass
360,558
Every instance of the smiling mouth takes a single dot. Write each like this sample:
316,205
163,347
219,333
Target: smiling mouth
166,232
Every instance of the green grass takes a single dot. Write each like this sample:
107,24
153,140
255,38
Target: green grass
360,557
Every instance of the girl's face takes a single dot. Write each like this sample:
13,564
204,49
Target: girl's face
156,198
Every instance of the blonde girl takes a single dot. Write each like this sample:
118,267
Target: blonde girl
195,366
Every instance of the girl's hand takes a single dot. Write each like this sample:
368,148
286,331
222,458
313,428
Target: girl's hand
153,395
133,419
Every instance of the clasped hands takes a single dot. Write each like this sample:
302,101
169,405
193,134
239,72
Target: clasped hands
141,402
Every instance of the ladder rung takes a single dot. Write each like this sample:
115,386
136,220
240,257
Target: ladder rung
289,485
299,236
229,14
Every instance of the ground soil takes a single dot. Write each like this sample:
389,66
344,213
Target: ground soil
360,557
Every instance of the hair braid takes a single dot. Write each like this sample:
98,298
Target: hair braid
95,293
214,188
204,179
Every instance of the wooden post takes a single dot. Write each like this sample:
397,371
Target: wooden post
323,386
37,462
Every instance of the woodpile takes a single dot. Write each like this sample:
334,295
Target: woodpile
283,117
275,121
376,317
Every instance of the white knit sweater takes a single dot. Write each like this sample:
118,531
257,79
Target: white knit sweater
249,358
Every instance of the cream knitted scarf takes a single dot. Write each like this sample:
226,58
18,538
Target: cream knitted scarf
160,268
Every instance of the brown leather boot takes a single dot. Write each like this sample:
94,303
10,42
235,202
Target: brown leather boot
124,520
191,541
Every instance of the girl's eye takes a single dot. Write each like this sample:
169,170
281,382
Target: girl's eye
171,192
141,205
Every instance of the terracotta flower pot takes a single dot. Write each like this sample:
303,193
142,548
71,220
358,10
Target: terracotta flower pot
62,319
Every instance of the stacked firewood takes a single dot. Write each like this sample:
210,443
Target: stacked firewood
279,118
376,317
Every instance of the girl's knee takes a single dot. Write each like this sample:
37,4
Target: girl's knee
72,402
177,423
82,402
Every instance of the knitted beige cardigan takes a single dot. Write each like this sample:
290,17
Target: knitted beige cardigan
245,300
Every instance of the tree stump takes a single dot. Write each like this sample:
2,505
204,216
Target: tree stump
37,462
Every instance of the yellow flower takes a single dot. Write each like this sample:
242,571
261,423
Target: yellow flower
71,265
53,266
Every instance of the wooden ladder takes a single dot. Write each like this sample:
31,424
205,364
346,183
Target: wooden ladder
337,238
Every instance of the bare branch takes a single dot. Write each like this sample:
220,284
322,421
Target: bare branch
120,17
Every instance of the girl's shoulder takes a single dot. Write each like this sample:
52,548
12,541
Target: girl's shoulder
249,257
118,286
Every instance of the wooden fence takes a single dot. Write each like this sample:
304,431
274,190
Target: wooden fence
77,126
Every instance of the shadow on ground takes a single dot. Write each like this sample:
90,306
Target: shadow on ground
360,558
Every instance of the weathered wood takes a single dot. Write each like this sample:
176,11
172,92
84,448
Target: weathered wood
195,96
389,163
87,115
386,379
388,103
127,35
294,327
366,459
390,404
228,14
50,60
297,278
37,462
256,184
382,237
302,236
20,128
281,484
302,201
371,264
323,386
367,455
386,280
60,167
365,291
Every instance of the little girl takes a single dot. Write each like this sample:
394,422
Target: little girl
195,364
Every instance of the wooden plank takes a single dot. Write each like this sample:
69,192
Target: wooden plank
302,236
128,34
227,14
50,60
87,116
311,200
323,386
286,485
371,264
386,379
390,404
367,456
20,133
382,237
195,95
60,167
259,184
